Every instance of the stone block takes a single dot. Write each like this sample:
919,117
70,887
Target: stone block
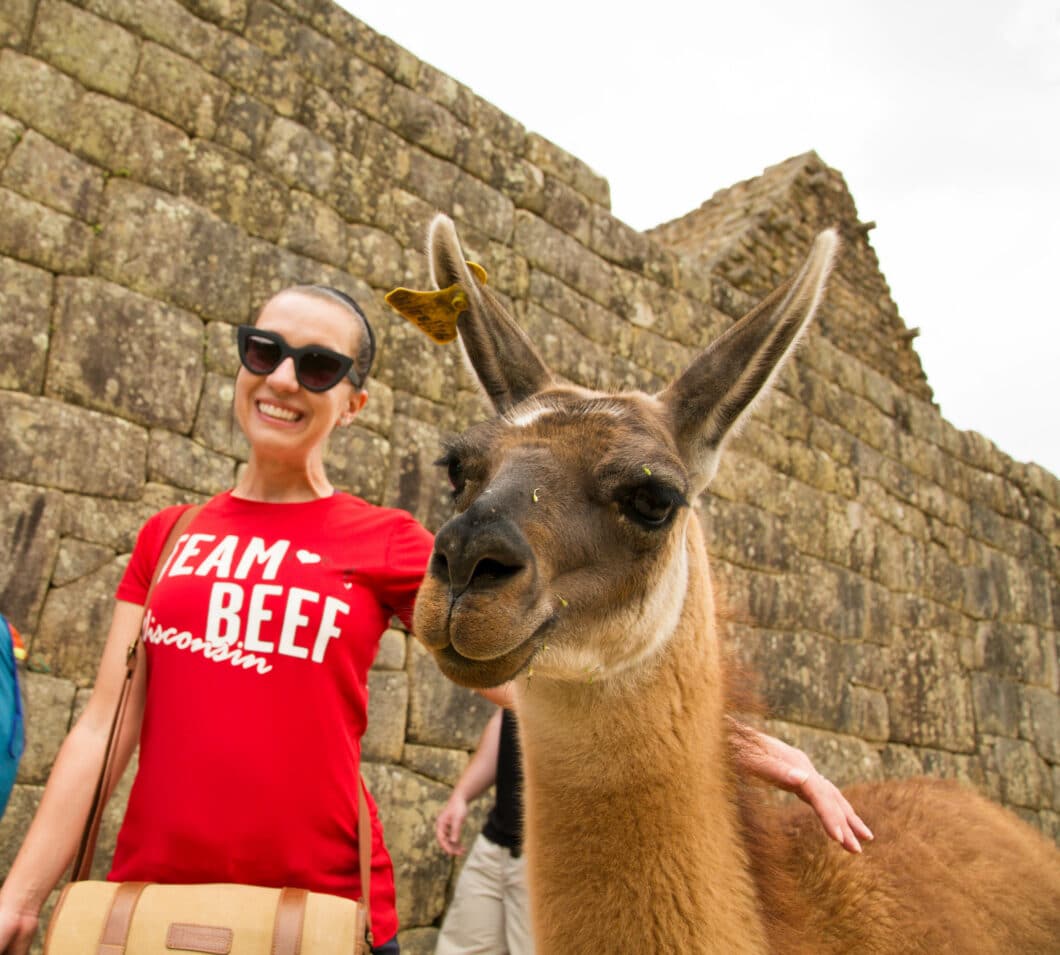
567,210
11,133
16,22
365,87
865,713
77,559
359,461
1022,652
114,523
440,712
388,697
547,248
567,168
568,354
216,427
619,243
48,705
25,316
392,651
997,705
299,157
436,762
1024,778
408,805
129,142
445,91
804,677
38,94
244,124
29,538
42,236
97,52
178,89
314,55
174,459
142,227
48,174
424,175
166,22
314,229
59,445
404,216
490,210
746,535
930,699
354,191
230,14
73,626
150,369
422,121
374,257
413,482
21,809
235,190
418,941
321,113
1041,721
520,181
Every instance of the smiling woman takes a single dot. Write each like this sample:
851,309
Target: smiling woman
276,595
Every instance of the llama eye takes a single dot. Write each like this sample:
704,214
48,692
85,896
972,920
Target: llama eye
651,505
454,470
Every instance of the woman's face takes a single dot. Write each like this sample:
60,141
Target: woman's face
281,419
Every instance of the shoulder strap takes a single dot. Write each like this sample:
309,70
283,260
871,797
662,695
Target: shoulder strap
87,848
364,855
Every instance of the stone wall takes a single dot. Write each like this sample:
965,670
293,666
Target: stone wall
165,166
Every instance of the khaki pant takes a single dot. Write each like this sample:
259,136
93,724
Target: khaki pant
490,912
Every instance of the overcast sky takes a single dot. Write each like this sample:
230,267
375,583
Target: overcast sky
943,116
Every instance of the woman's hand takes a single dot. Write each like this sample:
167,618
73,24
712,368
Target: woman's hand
789,768
16,932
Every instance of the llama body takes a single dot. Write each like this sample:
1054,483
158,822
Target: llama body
576,566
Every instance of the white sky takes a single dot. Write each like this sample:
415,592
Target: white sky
943,116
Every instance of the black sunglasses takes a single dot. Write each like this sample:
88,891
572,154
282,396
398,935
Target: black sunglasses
317,368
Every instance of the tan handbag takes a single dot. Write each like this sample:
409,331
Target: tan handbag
142,918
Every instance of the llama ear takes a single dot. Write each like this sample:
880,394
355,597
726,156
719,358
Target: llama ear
723,383
501,354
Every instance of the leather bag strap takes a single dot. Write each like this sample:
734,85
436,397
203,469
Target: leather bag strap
364,855
87,848
119,918
287,929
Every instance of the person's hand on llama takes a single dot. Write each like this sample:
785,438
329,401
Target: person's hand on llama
786,767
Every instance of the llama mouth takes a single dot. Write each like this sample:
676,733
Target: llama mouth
479,674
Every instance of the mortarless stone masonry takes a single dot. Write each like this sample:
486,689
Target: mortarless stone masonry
165,166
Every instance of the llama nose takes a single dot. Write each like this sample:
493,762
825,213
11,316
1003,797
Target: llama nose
468,555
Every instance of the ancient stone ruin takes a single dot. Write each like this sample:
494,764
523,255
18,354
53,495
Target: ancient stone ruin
165,166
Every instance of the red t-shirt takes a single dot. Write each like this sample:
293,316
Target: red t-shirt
259,639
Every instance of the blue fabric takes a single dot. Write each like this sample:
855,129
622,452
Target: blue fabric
12,733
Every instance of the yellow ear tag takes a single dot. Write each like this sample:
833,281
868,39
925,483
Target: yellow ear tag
434,313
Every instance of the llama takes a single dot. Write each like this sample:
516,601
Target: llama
576,564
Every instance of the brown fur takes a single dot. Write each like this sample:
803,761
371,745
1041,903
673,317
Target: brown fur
576,567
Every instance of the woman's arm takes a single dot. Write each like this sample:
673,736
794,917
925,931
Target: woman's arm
55,832
789,768
477,777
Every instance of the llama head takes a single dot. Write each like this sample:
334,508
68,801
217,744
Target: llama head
568,551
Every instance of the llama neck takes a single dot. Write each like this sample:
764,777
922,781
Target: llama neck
632,835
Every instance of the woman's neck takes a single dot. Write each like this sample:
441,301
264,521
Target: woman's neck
278,483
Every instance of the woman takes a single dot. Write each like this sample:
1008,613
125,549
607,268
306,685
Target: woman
259,638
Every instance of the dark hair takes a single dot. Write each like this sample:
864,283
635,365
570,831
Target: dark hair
362,361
